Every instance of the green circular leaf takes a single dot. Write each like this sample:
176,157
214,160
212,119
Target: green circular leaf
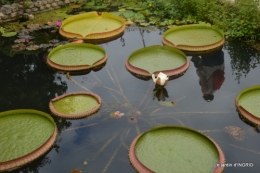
82,25
249,99
176,149
157,58
194,35
75,54
75,104
22,132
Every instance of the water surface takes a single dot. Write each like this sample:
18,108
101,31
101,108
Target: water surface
100,143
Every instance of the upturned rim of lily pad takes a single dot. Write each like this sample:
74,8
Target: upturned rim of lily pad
243,110
194,48
93,36
78,115
143,73
76,67
25,159
141,168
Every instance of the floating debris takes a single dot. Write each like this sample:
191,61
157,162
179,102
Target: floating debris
236,132
132,120
168,104
75,171
117,114
174,102
136,112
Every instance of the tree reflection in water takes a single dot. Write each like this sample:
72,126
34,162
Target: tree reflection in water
243,58
28,83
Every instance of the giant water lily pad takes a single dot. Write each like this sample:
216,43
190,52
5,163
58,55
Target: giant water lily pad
248,104
195,37
154,59
25,135
75,105
75,56
175,149
92,25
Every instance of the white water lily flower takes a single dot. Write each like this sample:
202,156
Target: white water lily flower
161,79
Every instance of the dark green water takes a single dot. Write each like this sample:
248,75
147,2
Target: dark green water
100,143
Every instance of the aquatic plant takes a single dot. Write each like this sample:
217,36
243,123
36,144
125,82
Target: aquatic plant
238,20
165,141
45,34
247,103
2,30
2,2
36,132
76,57
194,38
161,79
27,4
154,59
75,105
99,26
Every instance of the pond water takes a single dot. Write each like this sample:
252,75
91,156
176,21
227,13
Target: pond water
100,143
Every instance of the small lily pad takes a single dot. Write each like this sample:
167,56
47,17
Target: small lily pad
122,10
9,34
144,24
76,56
75,105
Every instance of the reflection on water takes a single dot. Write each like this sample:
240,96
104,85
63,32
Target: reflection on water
210,69
160,93
243,58
100,143
27,83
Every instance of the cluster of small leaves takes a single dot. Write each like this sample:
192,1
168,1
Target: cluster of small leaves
5,2
239,19
45,37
